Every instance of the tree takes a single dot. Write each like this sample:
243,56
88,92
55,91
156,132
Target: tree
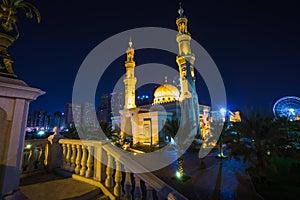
187,132
72,133
255,129
171,127
106,128
219,127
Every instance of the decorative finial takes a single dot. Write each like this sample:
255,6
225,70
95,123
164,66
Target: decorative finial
180,11
130,52
9,30
166,79
130,43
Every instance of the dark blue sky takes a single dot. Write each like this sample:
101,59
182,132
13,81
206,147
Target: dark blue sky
255,44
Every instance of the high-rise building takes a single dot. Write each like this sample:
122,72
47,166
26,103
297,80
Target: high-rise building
57,119
30,120
80,115
72,114
88,115
104,110
40,119
117,103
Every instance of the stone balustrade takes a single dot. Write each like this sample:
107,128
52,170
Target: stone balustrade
35,155
116,178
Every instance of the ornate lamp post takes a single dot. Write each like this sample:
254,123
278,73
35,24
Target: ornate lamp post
15,97
9,31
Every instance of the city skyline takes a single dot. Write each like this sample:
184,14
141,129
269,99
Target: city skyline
253,43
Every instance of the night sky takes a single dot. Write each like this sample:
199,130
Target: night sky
255,44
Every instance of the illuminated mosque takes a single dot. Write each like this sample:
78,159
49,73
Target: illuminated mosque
145,124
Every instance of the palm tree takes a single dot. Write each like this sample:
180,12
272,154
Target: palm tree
106,128
72,133
218,127
171,128
255,129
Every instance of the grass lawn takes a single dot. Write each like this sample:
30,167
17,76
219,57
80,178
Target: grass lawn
283,184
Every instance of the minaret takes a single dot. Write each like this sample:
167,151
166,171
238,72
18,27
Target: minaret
130,80
185,58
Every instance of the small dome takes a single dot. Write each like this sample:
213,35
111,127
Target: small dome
166,93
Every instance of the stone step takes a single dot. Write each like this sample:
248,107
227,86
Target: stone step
50,186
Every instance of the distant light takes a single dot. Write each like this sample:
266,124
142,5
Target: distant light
28,146
63,113
223,111
178,175
268,152
172,141
147,97
41,133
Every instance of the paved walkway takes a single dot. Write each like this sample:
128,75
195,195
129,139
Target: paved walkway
224,180
53,187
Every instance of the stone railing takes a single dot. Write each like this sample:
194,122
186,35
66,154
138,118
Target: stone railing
83,159
35,155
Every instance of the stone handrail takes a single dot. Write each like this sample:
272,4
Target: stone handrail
35,155
83,158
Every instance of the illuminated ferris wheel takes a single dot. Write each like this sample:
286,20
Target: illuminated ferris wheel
287,107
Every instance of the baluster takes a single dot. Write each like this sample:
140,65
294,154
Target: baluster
41,157
109,180
73,158
137,189
78,159
98,171
83,161
171,196
31,159
89,163
35,156
68,157
26,157
63,164
46,154
149,192
118,179
128,185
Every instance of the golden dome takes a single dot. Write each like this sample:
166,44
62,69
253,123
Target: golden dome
166,93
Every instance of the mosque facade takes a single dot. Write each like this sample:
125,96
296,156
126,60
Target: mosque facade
145,124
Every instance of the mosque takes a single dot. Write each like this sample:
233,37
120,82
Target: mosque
145,124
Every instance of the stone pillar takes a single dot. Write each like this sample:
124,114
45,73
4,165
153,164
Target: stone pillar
15,96
55,155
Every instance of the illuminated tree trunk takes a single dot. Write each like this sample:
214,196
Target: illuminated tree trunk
180,166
